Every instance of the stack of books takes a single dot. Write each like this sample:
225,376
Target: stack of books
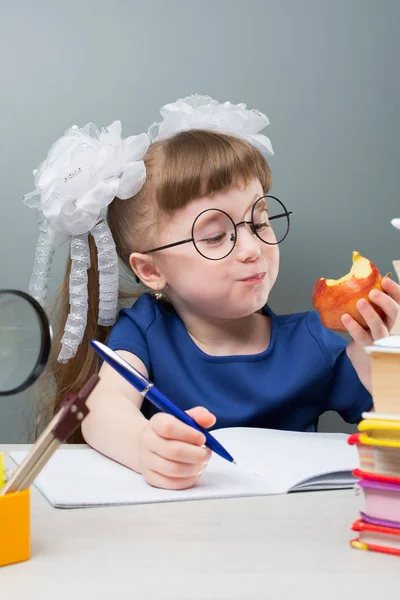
378,445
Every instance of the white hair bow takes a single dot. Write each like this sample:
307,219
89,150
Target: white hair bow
202,112
84,170
395,223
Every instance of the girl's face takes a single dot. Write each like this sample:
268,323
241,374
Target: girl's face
233,287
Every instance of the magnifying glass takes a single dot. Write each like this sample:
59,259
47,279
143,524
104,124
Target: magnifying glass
25,341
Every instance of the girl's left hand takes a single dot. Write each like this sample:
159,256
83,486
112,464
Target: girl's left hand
378,328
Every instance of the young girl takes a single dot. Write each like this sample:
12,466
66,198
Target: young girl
201,233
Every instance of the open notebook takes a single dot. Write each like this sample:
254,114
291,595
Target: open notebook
269,462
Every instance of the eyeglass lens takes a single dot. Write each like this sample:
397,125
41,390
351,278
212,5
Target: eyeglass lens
214,232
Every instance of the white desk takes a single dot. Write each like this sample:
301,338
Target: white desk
275,547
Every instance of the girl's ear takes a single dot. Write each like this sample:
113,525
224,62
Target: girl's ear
146,271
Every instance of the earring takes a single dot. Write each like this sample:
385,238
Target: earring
158,295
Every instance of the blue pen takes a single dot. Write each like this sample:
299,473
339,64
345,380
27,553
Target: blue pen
149,391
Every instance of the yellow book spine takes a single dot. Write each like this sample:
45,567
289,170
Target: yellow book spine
380,425
373,441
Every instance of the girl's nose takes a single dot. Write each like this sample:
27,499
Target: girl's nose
248,244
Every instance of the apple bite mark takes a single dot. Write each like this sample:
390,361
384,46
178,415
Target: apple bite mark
334,297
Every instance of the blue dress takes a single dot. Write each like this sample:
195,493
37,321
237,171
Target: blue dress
303,373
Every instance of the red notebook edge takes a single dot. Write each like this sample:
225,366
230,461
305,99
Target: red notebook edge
360,525
359,474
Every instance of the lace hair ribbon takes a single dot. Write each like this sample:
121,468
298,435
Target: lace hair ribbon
108,273
78,298
42,265
83,172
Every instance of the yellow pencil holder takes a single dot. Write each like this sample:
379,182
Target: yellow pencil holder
15,536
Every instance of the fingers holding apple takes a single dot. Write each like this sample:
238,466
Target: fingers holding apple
377,328
337,298
389,301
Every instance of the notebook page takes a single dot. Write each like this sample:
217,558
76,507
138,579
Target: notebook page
83,477
269,462
284,459
339,480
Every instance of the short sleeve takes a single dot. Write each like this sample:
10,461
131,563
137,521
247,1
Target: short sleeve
128,335
345,393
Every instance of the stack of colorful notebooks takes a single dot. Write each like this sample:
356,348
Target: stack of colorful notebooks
378,445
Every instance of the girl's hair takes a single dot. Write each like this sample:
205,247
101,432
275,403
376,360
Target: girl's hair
189,165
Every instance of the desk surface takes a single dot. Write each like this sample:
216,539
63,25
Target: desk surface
272,547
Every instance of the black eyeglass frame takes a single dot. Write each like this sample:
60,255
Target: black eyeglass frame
250,223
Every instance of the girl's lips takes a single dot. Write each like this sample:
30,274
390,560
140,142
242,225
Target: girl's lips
255,278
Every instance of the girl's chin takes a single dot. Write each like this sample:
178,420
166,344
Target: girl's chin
256,294
250,306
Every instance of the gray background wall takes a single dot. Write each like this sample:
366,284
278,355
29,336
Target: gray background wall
324,71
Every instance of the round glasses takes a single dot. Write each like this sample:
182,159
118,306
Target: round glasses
214,233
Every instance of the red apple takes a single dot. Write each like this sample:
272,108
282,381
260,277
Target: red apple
332,298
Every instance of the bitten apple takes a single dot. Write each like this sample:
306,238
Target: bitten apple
332,298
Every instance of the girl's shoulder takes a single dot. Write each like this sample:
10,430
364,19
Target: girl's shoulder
291,320
134,324
146,310
306,327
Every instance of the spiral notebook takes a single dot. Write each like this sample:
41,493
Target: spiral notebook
269,462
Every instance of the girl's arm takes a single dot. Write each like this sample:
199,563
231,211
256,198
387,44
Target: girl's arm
167,452
114,424
378,327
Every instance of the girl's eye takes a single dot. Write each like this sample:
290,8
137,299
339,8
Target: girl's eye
261,226
215,239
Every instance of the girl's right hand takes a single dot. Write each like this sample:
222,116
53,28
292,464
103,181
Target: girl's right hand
170,452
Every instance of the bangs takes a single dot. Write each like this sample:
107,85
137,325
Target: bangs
199,163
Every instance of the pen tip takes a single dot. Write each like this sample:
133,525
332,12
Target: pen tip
235,463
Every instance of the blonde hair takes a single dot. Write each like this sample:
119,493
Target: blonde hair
189,165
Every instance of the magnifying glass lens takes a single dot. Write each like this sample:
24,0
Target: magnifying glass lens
21,341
